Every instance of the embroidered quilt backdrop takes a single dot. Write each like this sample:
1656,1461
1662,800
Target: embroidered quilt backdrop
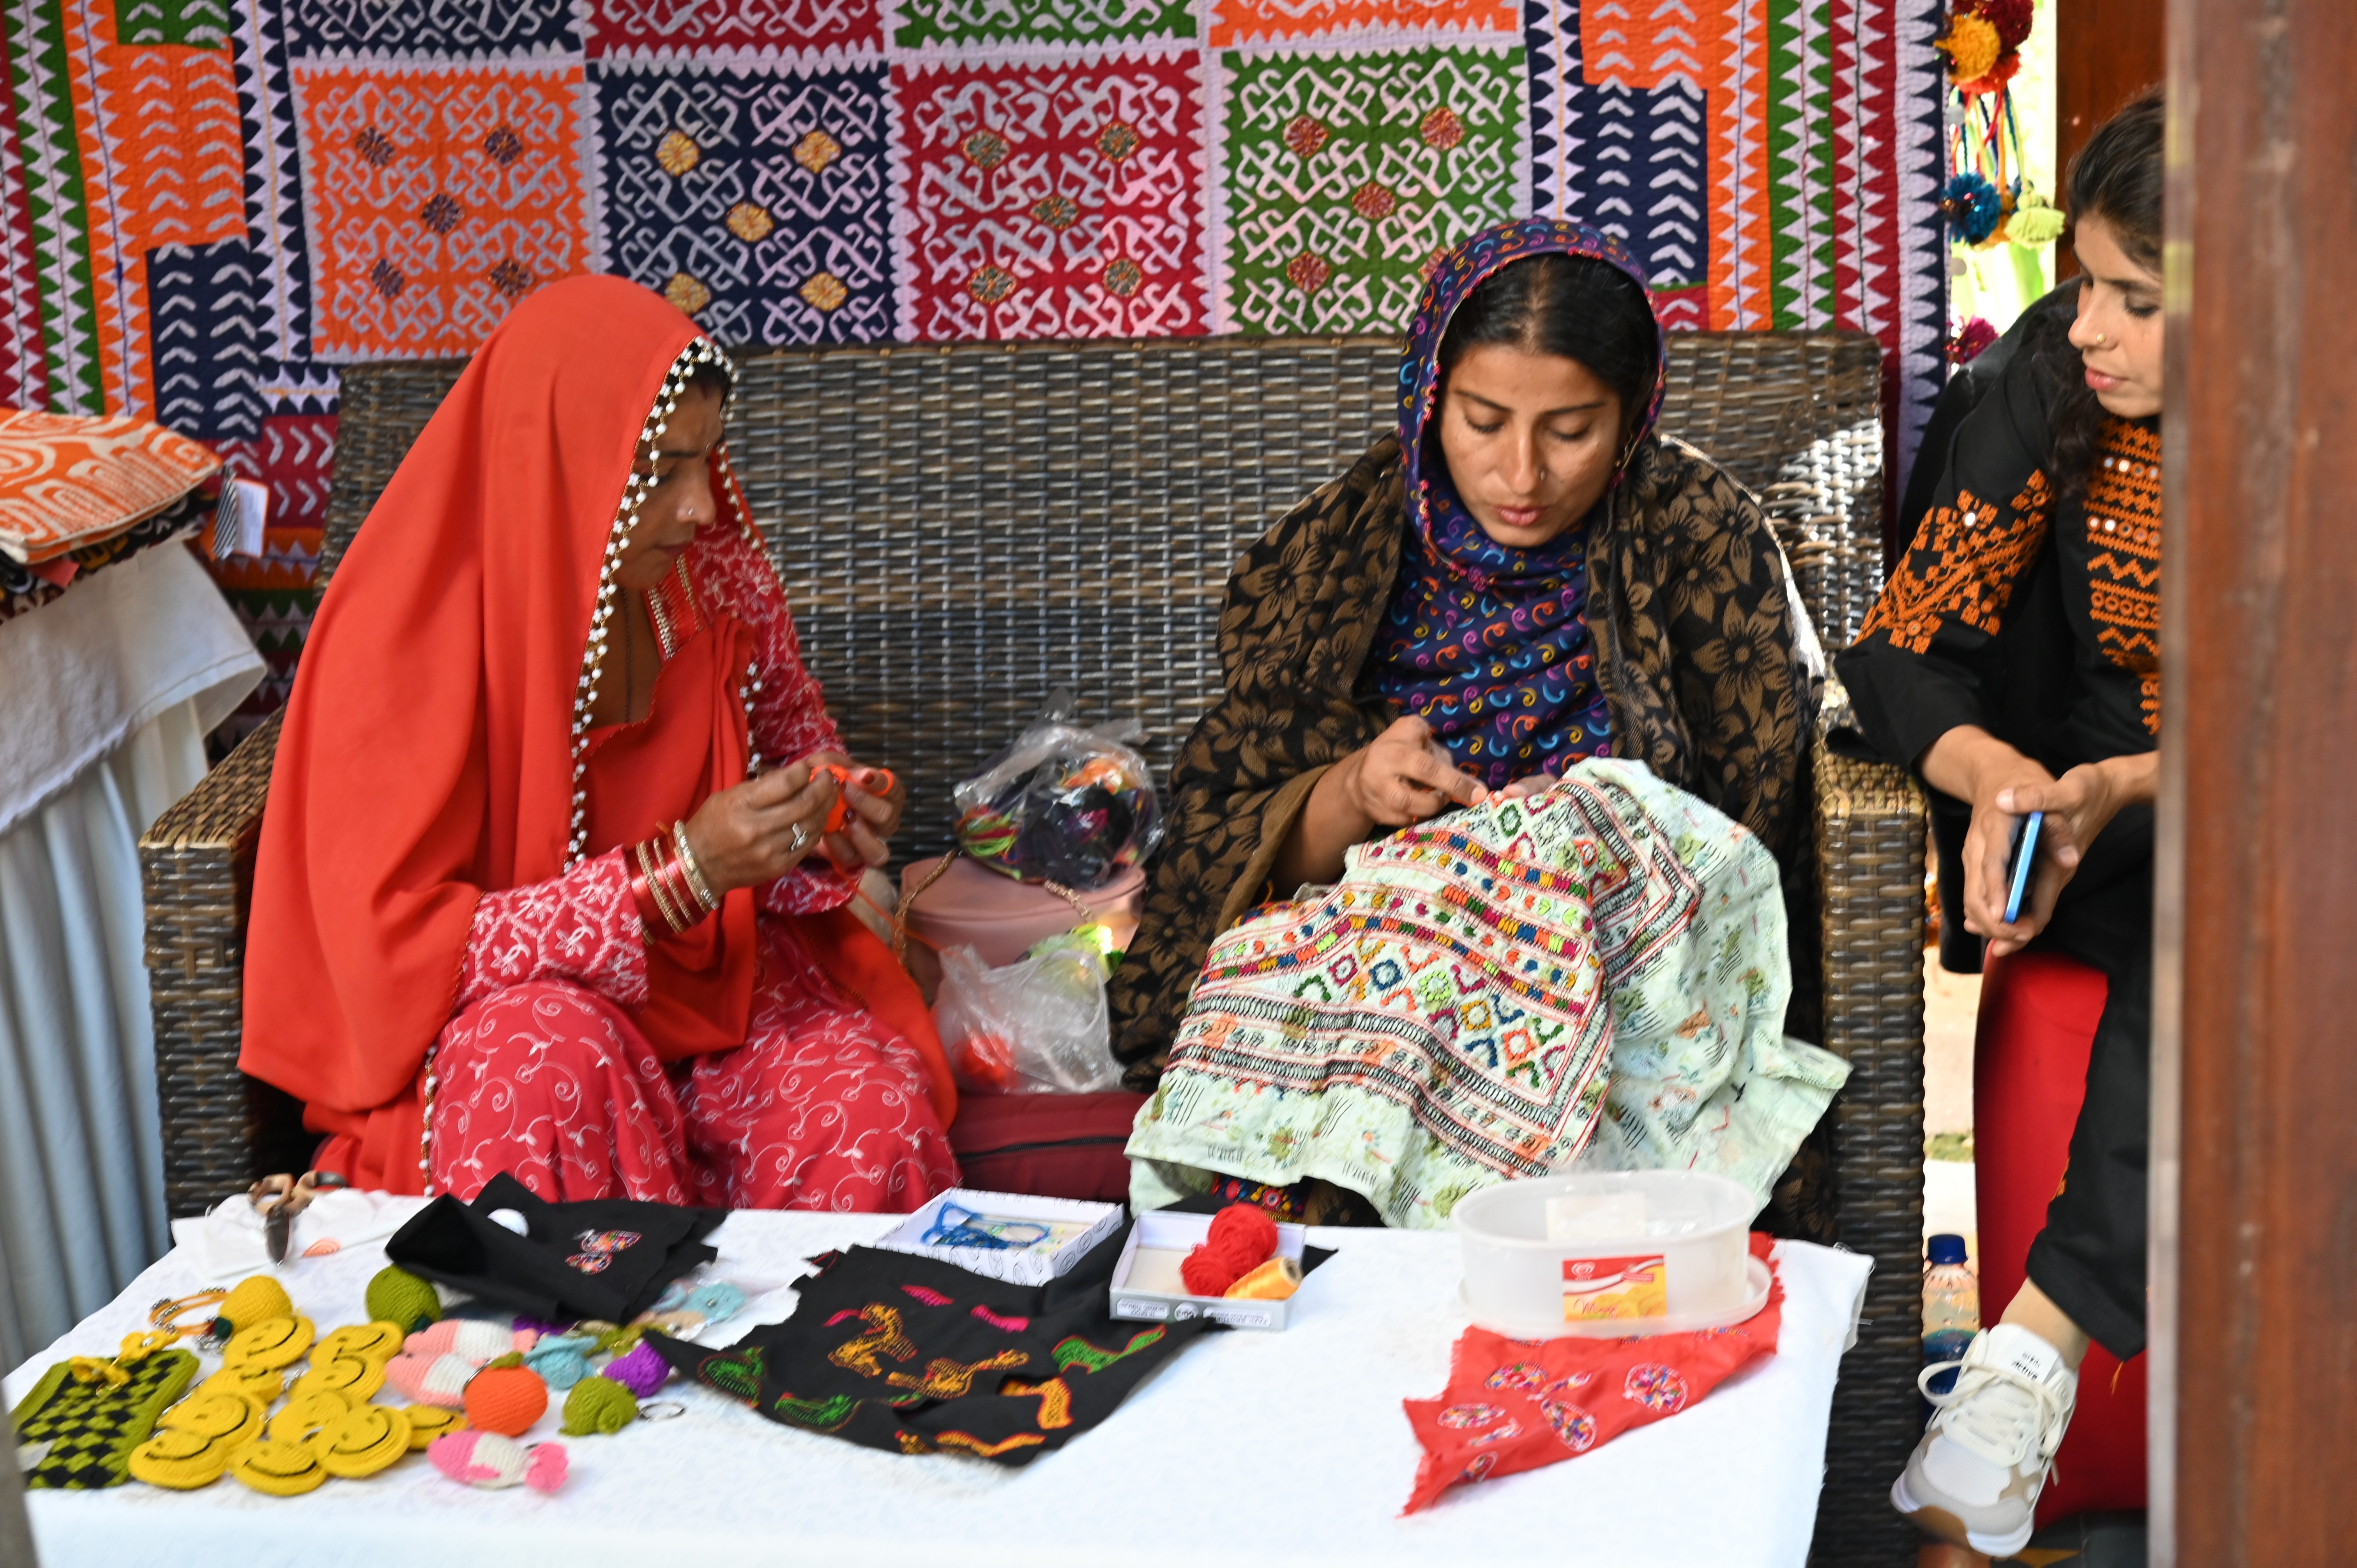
207,205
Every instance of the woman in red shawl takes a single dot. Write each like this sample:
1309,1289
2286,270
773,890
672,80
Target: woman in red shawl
544,885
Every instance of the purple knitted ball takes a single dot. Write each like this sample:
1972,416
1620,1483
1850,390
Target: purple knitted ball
642,1371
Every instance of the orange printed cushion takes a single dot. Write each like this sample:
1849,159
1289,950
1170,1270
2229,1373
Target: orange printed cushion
67,482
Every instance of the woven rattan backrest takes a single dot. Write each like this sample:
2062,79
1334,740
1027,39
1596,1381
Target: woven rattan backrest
964,528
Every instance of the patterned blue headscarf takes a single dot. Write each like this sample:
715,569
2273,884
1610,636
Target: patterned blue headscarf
1490,644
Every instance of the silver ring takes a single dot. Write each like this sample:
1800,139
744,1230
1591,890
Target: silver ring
794,844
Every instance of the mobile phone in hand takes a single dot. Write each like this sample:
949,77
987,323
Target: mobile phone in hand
2020,854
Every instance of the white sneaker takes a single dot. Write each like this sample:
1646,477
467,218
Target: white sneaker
1976,1476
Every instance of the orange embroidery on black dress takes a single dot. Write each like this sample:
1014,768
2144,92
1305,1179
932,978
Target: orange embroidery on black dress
1961,567
2123,556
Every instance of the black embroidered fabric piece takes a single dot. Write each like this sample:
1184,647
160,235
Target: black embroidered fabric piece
607,1258
914,1356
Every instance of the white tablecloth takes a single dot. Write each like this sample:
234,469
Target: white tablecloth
1244,1449
110,690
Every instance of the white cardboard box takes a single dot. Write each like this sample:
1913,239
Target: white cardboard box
1022,1266
1149,1289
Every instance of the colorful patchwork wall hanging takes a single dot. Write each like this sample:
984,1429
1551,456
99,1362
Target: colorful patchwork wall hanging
207,205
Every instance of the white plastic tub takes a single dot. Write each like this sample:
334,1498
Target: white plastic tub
1626,1252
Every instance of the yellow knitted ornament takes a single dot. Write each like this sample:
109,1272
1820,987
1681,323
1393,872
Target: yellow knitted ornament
2035,221
181,1460
274,1342
264,1383
281,1469
372,1341
1972,47
356,1378
230,1418
304,1416
257,1300
428,1422
362,1442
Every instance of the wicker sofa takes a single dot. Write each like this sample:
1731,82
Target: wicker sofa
962,529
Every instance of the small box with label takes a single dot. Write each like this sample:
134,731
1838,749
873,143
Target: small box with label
1146,1285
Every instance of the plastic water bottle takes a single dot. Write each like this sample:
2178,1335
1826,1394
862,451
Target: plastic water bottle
1952,1309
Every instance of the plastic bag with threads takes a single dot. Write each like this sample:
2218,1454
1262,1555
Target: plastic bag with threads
1066,803
1034,1027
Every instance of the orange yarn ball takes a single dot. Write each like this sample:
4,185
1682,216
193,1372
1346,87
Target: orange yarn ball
506,1400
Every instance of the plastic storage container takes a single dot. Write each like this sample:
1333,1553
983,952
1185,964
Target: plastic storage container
1609,1255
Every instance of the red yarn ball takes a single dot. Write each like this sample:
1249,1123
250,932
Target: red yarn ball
1242,1238
1245,1233
2011,18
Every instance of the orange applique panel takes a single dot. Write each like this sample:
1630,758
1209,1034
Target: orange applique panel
67,480
2124,555
1963,567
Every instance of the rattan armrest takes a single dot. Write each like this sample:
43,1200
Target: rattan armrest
1870,827
196,866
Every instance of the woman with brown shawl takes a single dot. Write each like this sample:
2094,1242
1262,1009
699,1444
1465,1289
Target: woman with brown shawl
1526,576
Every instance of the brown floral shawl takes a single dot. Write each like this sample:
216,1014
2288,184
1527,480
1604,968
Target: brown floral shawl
1696,649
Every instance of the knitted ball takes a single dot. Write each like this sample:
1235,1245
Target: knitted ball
256,1300
642,1371
397,1296
2011,18
506,1400
597,1405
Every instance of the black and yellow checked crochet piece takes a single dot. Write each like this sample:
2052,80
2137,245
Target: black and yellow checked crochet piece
91,1428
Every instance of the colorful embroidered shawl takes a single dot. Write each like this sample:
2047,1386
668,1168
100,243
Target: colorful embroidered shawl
1490,644
1451,1013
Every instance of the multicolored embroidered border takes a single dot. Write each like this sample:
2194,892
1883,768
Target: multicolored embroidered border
205,205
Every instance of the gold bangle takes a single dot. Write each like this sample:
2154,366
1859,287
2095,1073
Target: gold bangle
696,882
648,864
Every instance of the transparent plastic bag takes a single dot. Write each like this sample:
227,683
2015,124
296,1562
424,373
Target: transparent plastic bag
1034,1027
1066,803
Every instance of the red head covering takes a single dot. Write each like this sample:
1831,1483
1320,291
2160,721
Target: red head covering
428,752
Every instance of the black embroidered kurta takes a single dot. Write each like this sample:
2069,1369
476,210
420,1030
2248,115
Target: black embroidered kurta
1689,606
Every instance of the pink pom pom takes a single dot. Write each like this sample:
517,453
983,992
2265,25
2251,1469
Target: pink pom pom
642,1371
546,1471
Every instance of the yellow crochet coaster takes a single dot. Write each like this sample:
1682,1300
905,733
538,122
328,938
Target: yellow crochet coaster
181,1460
264,1384
301,1419
275,1342
362,1442
231,1418
355,1377
281,1469
428,1422
370,1342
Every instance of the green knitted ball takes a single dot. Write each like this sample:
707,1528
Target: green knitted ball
598,1404
396,1295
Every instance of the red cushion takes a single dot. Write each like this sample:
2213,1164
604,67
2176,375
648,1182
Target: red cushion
2037,1025
1055,1145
